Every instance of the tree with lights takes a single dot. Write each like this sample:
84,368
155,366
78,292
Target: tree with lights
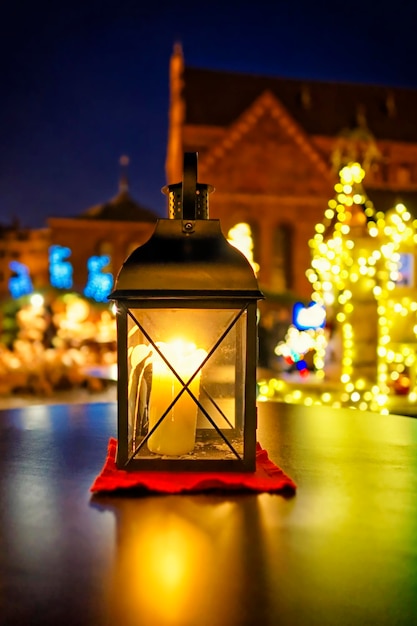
339,275
362,272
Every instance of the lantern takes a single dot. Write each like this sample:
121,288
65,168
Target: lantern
186,305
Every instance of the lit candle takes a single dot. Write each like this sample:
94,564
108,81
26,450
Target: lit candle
175,435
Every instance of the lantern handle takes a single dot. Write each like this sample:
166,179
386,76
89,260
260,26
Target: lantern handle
189,186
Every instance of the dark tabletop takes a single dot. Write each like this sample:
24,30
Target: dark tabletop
342,551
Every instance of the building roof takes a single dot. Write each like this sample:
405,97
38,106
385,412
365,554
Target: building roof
217,98
121,208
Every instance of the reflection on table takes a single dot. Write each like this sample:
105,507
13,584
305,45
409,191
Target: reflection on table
343,550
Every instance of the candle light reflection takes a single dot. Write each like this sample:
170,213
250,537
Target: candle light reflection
169,559
158,565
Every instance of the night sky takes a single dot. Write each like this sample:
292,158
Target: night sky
86,82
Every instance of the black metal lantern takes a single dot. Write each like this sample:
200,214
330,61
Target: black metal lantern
187,343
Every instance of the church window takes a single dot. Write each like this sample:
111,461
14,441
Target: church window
281,269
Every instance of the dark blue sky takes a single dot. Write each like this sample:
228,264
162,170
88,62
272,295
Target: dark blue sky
85,82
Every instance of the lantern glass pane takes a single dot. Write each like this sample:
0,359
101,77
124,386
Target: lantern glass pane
186,382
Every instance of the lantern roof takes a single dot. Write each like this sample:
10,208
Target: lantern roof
176,262
187,255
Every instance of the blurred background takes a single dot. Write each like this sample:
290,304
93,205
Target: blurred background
101,99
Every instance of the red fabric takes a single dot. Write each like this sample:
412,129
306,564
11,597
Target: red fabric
267,477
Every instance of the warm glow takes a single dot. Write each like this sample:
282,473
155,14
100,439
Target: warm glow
175,435
77,310
158,561
37,300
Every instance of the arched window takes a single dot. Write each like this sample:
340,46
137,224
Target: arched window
281,261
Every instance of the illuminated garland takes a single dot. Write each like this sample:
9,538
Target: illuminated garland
99,283
20,283
60,270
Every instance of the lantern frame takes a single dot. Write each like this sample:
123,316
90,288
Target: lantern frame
189,270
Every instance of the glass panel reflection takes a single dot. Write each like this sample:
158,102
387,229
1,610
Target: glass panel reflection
186,372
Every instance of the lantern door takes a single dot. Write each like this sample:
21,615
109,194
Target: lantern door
186,404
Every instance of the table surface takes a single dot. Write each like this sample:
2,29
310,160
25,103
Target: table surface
341,551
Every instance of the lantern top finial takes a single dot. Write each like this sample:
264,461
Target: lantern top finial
189,200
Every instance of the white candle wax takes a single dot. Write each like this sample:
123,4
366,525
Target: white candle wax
175,435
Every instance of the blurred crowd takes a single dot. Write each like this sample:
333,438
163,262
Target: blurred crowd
56,344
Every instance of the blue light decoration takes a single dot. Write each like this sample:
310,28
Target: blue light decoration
302,335
308,318
60,270
20,283
99,283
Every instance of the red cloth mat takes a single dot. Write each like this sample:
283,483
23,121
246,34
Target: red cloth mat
267,477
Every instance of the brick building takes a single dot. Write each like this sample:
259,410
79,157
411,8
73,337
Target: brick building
271,147
114,228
